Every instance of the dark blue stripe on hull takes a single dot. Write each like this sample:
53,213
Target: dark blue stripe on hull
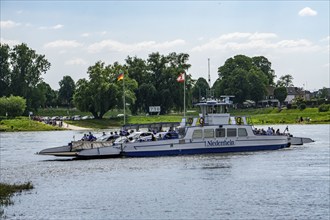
201,151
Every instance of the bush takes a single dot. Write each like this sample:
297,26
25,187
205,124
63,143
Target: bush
302,106
324,108
12,106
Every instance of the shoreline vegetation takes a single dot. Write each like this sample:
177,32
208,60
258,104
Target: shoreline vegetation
263,116
8,190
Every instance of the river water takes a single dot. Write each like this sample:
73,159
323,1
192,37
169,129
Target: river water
292,183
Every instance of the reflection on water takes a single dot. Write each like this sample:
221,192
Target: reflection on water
285,184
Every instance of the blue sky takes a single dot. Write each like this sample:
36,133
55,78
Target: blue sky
73,35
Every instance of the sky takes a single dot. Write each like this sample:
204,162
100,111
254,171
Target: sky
73,35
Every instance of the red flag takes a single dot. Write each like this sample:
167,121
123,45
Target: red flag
120,76
180,78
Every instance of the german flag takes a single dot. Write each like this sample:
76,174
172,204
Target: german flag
120,76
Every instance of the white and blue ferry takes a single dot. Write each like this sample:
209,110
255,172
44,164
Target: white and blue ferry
215,131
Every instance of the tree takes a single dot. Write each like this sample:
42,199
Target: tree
323,93
285,81
244,77
263,64
159,72
4,69
257,83
103,91
21,69
12,106
199,89
66,91
280,93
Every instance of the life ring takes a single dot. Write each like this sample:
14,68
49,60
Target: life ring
239,120
190,120
201,121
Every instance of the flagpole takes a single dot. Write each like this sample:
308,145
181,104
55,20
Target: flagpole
184,95
124,100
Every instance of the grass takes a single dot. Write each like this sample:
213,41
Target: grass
285,116
96,123
8,190
25,124
258,116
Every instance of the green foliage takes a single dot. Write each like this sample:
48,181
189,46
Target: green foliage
12,106
21,69
199,89
157,85
285,116
66,91
324,108
257,84
285,81
245,78
24,124
103,91
323,93
302,106
280,93
7,190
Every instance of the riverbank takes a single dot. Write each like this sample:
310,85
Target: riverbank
25,124
256,117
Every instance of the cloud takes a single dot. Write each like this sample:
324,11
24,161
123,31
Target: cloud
238,41
76,61
307,11
63,44
141,46
254,41
85,34
9,42
8,24
55,27
326,39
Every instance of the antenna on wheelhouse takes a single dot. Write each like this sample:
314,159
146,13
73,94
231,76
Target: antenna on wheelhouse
209,76
209,92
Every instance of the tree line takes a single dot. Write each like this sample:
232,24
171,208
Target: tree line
146,82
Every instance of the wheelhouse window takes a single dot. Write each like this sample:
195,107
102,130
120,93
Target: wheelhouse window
197,134
208,133
242,132
231,132
220,132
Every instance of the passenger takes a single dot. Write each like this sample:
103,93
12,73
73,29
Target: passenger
278,132
153,138
91,137
269,131
84,138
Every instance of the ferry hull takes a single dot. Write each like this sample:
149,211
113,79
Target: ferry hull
187,147
177,152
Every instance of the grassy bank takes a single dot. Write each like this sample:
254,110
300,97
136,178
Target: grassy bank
285,116
25,124
8,190
258,116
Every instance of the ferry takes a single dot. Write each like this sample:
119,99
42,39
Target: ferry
214,131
